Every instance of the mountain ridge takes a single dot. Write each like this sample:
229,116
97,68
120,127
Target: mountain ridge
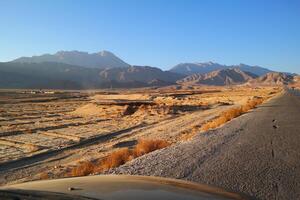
83,70
37,75
207,67
222,77
272,79
102,60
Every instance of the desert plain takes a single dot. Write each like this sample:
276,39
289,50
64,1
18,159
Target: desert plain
46,134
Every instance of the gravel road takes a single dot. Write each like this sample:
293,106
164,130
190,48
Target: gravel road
257,153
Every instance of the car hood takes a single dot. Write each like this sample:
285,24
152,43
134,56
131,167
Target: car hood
116,187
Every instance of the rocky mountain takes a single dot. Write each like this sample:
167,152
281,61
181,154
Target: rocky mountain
196,68
101,60
231,76
203,68
296,81
64,76
297,78
272,79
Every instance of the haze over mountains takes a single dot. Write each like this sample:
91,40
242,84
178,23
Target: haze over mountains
81,70
64,76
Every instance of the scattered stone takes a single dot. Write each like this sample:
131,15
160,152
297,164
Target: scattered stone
275,126
71,188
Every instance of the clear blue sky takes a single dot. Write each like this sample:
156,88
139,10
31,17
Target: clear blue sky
157,33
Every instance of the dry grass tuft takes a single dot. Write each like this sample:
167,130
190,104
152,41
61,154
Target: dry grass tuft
146,146
119,157
116,159
83,169
231,113
44,176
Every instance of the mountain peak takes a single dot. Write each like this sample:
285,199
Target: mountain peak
105,53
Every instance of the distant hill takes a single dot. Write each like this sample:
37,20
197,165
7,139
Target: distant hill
140,74
231,76
196,68
203,68
272,79
63,76
296,81
297,78
101,60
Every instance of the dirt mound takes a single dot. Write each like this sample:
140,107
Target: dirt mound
122,97
94,110
154,110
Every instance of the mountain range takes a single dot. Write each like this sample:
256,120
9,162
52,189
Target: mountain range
100,60
81,70
231,76
64,76
206,67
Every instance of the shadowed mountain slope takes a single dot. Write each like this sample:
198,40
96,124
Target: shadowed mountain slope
101,60
63,76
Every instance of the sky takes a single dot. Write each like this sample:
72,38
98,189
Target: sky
159,33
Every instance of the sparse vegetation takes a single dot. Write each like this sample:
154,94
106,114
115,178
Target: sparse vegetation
231,113
146,146
44,176
39,123
119,157
83,169
189,134
116,159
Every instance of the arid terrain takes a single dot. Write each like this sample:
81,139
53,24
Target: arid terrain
255,154
150,100
46,134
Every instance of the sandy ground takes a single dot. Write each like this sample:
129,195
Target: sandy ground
51,133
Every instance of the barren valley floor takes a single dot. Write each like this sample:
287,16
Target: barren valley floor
46,135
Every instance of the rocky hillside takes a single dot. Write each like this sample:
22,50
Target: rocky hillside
196,68
231,76
140,74
296,83
272,79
